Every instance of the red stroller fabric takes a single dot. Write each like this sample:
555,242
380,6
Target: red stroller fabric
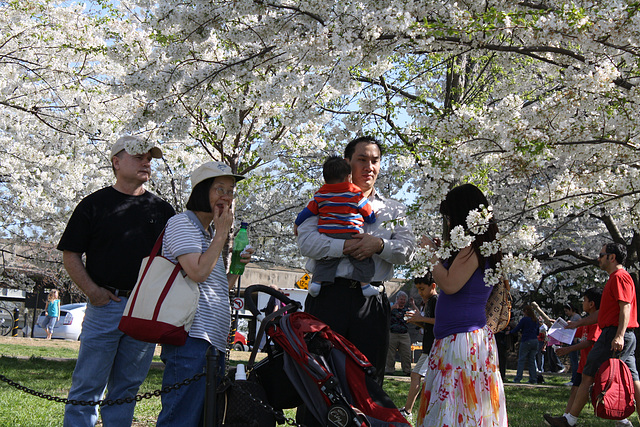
327,370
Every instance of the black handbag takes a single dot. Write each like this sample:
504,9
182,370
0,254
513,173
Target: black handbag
240,403
270,373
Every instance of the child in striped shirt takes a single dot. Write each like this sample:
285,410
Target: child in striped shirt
342,210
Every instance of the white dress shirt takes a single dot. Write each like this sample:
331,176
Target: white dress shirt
392,226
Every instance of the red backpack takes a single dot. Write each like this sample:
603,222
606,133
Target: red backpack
612,393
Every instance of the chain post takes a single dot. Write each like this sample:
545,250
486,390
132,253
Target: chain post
211,387
16,318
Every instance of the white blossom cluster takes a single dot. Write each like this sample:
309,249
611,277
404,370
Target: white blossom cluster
478,220
522,266
519,267
138,146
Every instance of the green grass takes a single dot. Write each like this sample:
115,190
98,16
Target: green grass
525,404
18,408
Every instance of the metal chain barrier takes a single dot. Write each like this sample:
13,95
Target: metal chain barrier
104,402
109,402
279,415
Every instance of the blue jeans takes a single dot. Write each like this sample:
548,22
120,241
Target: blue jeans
574,358
527,356
184,407
49,323
107,359
540,356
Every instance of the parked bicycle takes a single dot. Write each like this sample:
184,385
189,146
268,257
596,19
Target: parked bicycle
6,321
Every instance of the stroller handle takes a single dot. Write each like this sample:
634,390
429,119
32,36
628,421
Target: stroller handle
251,305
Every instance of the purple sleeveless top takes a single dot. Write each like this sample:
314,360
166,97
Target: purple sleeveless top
463,311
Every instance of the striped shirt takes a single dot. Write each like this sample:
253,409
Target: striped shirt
184,235
341,208
391,225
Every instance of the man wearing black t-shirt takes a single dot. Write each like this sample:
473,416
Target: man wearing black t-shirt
115,228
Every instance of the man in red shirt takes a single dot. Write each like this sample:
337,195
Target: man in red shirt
616,318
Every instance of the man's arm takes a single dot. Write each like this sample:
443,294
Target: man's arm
395,246
561,351
363,246
75,267
623,321
316,245
591,319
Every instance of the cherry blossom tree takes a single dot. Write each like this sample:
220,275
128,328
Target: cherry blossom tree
58,117
536,102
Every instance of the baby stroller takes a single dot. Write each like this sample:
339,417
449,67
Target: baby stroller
309,363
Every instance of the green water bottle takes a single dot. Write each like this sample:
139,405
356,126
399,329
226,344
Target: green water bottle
239,244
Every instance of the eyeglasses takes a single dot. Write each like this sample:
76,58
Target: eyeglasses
222,192
602,254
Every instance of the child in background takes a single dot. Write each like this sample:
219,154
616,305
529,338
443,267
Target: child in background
572,315
53,313
427,289
342,210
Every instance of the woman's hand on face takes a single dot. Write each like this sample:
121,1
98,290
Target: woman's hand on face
223,219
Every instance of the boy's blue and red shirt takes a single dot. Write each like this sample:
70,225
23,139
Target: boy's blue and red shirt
341,208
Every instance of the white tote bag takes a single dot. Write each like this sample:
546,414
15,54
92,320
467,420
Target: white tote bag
163,303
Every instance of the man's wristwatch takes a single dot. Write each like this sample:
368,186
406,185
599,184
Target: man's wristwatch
381,246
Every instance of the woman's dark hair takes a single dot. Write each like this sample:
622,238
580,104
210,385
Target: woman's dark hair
456,206
569,306
199,197
528,311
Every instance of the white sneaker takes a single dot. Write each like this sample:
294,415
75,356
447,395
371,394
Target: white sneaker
407,415
370,291
623,423
314,289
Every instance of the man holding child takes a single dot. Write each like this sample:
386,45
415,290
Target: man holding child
362,320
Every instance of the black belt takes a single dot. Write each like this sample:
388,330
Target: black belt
343,281
119,292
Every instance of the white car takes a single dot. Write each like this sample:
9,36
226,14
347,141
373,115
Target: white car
68,326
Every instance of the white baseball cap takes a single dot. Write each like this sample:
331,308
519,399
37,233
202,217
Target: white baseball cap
212,170
119,145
